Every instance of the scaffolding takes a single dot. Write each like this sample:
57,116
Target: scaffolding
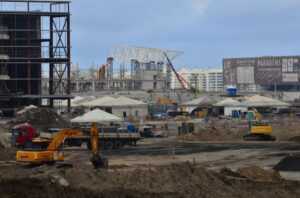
35,51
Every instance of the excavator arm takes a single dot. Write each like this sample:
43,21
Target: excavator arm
256,115
60,137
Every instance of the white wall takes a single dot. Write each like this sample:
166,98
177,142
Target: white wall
228,110
130,110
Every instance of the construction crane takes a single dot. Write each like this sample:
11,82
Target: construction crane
258,131
53,153
178,76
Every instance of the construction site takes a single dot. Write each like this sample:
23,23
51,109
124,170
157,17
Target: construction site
119,129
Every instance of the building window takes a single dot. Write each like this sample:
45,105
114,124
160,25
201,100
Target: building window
136,112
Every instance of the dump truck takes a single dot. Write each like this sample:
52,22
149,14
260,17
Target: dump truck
109,137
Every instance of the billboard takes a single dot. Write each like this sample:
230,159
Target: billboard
280,70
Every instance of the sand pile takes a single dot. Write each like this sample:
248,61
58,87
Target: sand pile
41,117
257,173
175,180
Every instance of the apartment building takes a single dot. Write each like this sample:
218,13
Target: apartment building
208,80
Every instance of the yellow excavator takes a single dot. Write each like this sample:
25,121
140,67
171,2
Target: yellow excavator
258,131
50,151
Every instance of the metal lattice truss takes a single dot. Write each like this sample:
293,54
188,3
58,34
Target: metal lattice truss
124,54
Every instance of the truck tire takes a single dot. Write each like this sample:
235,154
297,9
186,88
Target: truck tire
118,145
88,145
109,145
101,145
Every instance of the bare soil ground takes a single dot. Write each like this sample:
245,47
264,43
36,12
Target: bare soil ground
150,170
173,180
288,130
190,166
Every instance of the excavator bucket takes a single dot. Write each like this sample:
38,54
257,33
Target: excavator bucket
99,162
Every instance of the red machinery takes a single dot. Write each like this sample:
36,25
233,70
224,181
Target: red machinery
22,135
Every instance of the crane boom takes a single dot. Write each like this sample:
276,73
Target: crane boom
179,77
173,69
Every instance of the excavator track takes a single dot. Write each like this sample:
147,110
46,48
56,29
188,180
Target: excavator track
259,137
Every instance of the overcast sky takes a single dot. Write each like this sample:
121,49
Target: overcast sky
206,30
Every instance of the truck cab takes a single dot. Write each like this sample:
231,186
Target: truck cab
22,135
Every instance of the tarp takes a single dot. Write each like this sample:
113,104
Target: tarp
97,115
262,101
229,102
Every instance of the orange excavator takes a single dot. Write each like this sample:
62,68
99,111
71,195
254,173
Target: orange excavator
161,100
50,151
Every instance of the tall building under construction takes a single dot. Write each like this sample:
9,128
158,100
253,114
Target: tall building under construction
129,68
35,42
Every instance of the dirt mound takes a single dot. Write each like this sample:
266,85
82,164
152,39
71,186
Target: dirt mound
290,163
216,134
287,132
257,173
41,117
5,140
7,154
228,172
175,180
295,139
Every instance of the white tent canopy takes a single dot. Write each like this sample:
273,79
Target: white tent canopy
96,115
261,101
122,101
203,101
98,101
229,102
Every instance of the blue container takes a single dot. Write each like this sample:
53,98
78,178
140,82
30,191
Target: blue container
231,91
